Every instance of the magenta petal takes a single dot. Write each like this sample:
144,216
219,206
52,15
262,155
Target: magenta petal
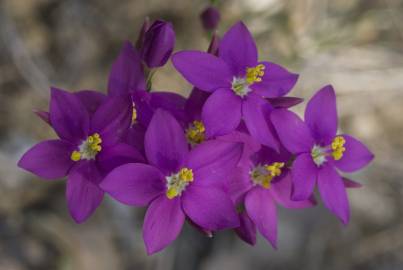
293,132
276,81
165,143
239,183
284,102
194,104
203,70
304,176
221,113
281,192
333,193
83,196
162,224
68,116
253,114
45,116
112,120
134,184
171,102
250,145
209,207
247,230
321,115
238,49
116,155
91,99
262,210
126,74
48,159
348,183
356,156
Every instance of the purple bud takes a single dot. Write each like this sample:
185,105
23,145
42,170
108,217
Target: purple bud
143,30
210,18
214,44
159,42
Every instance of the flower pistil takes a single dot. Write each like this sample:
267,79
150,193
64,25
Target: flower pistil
195,133
88,148
176,183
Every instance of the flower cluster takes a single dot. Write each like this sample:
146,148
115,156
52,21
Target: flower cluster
224,158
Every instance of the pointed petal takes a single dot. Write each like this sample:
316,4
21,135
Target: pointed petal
126,74
112,120
213,161
203,70
284,102
134,184
253,114
356,156
119,154
83,196
221,113
48,159
293,132
247,230
321,115
304,176
165,142
281,192
68,116
91,99
333,193
263,212
209,207
238,49
348,183
45,116
276,81
162,223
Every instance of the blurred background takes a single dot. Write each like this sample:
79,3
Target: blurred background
356,45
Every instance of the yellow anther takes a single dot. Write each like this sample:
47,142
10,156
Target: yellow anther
75,156
263,175
177,183
255,74
195,133
338,147
134,113
275,168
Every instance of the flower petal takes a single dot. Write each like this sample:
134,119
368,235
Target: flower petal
165,142
126,74
247,230
91,99
171,102
119,154
221,113
48,159
281,192
68,116
333,192
44,115
321,115
83,196
162,223
276,81
194,104
253,109
293,132
348,183
262,210
112,120
203,70
209,207
304,176
356,156
238,49
134,184
284,102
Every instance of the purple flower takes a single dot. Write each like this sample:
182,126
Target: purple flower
210,18
238,83
257,187
88,148
320,152
177,183
159,42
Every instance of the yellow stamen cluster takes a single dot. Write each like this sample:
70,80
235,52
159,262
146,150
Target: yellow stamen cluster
255,74
338,147
263,175
195,133
176,183
134,113
88,149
